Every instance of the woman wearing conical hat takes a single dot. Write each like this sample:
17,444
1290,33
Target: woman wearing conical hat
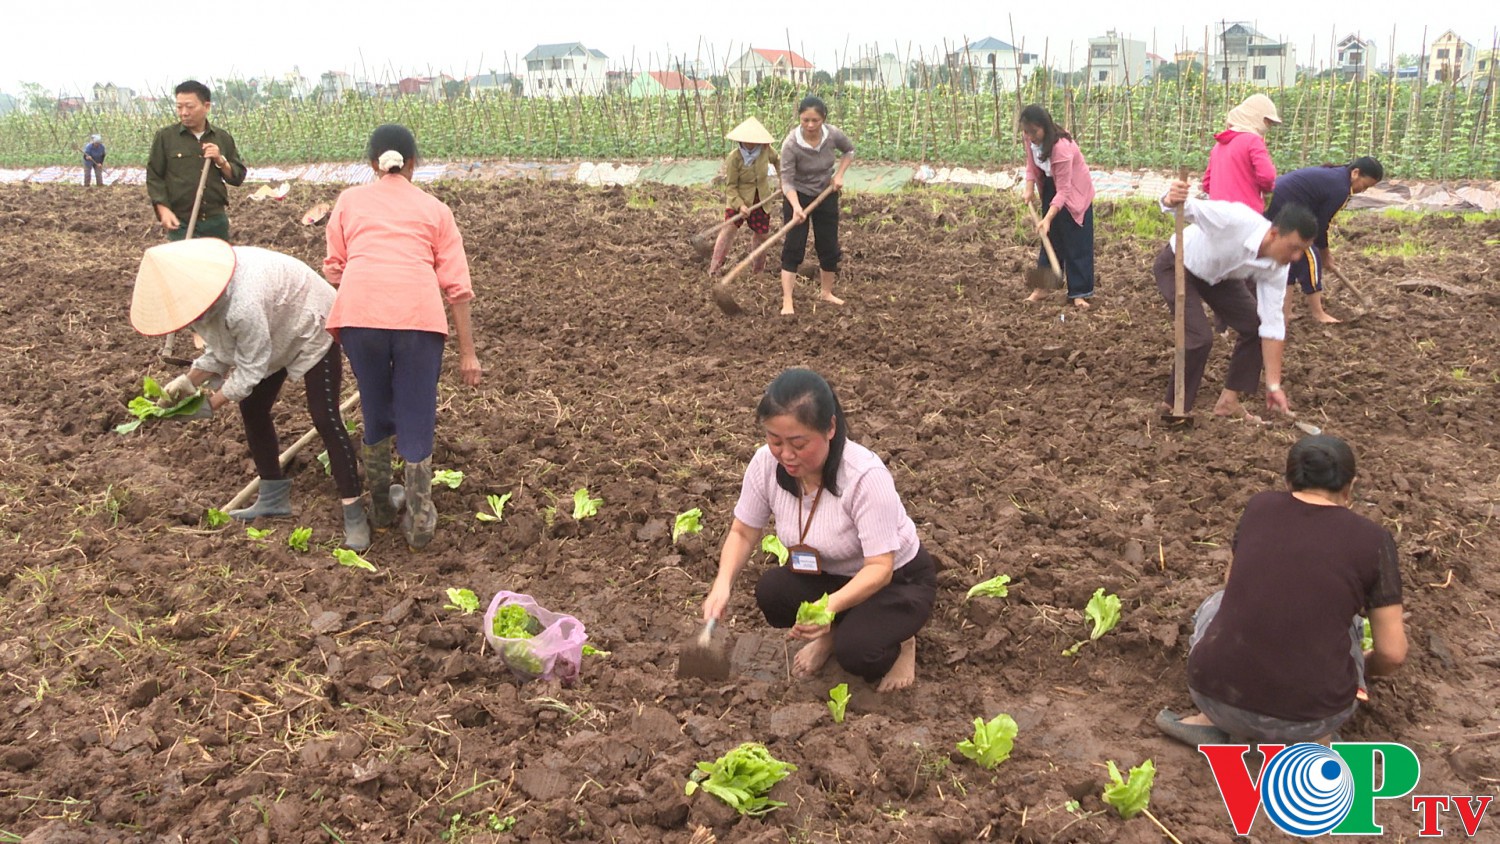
747,181
261,316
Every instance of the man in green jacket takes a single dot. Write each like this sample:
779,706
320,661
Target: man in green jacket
176,163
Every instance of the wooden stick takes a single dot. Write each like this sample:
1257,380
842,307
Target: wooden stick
721,294
1344,280
736,218
286,457
168,349
1179,318
1046,242
1164,830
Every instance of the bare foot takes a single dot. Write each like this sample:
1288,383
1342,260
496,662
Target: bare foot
1326,318
831,299
787,309
813,655
1082,304
904,672
1232,409
1037,296
1198,720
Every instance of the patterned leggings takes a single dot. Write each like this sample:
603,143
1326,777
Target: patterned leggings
322,382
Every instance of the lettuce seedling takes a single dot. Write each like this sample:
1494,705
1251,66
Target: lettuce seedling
690,521
450,478
993,588
583,505
590,650
144,407
216,518
992,741
1367,638
497,508
771,544
512,621
1104,611
1130,797
838,699
742,778
352,559
299,539
323,461
815,612
463,600
259,534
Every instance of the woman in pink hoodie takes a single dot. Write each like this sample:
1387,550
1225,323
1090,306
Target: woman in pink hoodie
1239,166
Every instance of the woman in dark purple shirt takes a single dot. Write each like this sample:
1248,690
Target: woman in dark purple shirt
1273,657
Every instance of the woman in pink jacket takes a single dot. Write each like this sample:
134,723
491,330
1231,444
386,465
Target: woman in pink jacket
1056,164
396,256
1239,166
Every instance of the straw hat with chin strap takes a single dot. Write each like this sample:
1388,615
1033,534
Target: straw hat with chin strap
750,132
178,282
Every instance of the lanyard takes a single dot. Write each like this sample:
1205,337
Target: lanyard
803,527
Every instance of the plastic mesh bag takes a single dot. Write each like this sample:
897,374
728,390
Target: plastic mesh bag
553,651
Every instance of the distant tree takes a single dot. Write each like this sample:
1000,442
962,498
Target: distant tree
237,91
719,81
455,88
277,90
821,79
36,98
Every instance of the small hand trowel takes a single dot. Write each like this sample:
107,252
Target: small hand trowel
702,656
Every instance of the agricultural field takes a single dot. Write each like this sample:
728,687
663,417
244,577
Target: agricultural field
166,681
1432,132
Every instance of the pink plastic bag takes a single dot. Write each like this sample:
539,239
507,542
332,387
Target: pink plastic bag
554,652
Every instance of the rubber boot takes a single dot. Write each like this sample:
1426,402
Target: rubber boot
385,499
274,499
419,521
356,527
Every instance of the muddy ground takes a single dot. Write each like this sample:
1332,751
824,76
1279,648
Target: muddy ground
165,682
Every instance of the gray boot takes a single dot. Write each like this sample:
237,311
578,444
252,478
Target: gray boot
274,499
356,527
386,499
419,521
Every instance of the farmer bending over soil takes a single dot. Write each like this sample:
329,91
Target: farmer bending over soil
1273,656
1227,241
1324,191
1055,164
810,160
747,181
1239,165
395,253
838,514
260,314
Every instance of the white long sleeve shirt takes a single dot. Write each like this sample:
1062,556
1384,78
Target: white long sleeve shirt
1223,243
270,317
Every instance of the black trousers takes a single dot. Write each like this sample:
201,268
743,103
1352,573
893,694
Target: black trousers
824,221
1073,243
322,382
867,638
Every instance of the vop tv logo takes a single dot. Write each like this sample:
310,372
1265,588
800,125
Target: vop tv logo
1309,790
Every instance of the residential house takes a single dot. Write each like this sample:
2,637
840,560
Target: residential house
1450,60
990,62
1154,64
429,87
564,70
757,65
872,71
1246,55
493,83
332,85
111,96
1487,69
661,83
69,105
1116,60
616,81
1355,57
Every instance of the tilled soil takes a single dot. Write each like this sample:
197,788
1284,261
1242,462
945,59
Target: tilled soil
167,682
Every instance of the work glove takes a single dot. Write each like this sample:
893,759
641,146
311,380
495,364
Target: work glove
175,391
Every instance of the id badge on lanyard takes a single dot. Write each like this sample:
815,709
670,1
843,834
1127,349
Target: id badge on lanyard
803,558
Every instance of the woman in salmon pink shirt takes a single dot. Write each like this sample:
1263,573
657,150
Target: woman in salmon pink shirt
396,256
1056,166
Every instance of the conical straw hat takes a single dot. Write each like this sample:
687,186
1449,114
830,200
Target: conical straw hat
750,132
177,282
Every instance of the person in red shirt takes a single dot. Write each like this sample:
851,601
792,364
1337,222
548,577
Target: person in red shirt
396,256
1239,165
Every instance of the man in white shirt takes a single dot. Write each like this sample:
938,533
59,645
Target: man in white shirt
1230,242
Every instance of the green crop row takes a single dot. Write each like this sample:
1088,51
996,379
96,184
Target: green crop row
1418,132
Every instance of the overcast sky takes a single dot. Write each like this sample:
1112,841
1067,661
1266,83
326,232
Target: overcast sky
151,47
